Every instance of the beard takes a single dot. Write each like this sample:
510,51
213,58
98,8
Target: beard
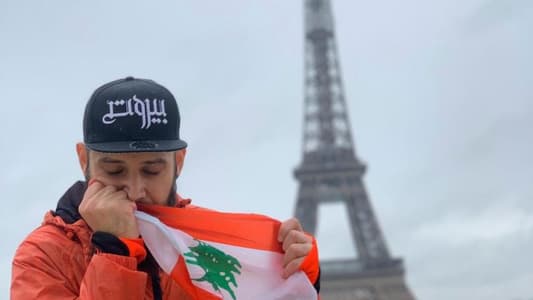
171,200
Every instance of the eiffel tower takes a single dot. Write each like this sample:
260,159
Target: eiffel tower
331,172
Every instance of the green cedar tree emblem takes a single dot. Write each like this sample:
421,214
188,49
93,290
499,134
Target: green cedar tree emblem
217,265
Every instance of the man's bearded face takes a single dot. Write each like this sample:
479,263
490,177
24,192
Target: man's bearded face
146,177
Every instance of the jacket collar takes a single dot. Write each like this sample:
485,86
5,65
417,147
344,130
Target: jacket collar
67,206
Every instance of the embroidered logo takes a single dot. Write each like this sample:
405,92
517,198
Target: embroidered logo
150,111
218,266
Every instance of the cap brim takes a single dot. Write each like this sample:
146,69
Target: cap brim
138,146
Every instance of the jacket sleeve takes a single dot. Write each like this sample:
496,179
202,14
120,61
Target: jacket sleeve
48,265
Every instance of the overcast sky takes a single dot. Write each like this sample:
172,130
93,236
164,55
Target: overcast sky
441,103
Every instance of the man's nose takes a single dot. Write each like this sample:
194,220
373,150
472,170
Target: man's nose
135,189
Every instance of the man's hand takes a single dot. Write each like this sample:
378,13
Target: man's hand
107,209
296,245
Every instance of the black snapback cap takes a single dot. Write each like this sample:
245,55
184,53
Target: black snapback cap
132,115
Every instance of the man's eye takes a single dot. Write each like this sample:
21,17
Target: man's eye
114,172
150,172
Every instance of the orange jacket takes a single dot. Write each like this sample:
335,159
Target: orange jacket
56,261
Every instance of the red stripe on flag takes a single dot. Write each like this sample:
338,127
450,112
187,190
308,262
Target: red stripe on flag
237,229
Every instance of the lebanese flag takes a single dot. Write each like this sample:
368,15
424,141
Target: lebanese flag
216,255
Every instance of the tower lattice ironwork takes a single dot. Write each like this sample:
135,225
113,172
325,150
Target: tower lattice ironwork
330,171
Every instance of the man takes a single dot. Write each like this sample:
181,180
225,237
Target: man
90,247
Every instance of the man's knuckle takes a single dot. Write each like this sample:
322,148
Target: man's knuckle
297,250
109,189
293,265
294,222
293,234
294,248
305,249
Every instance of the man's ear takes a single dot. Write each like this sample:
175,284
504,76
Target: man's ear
180,158
82,156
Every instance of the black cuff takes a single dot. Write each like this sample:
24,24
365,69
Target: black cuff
317,282
108,243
